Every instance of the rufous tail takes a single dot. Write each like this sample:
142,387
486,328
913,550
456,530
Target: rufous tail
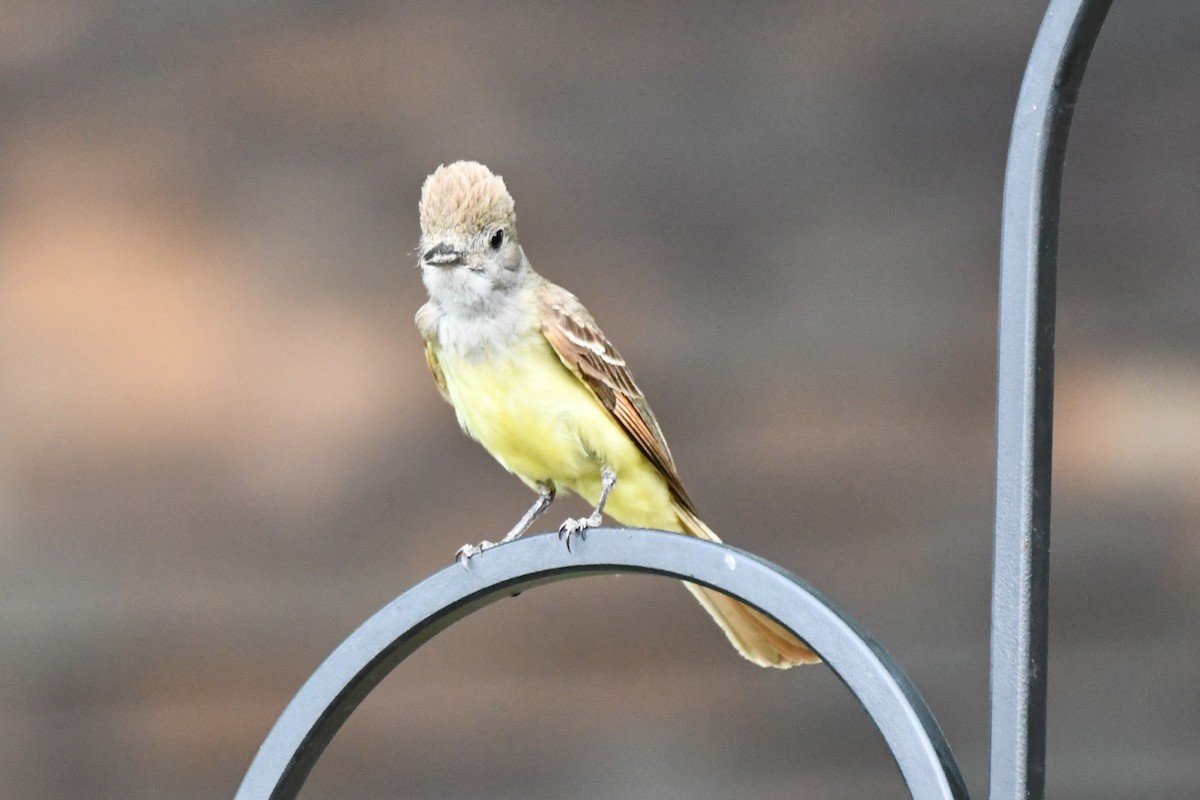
755,635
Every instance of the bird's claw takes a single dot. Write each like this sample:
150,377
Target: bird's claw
576,527
467,551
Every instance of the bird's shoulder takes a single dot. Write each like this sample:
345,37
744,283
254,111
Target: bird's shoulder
427,319
565,320
552,297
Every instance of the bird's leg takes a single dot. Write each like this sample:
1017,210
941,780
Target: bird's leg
608,479
545,498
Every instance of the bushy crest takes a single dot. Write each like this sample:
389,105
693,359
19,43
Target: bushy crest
465,198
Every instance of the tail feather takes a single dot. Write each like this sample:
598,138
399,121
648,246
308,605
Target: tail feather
755,635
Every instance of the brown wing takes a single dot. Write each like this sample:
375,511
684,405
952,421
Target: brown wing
436,369
424,325
587,352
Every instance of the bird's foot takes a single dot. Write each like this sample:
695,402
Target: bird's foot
467,551
577,527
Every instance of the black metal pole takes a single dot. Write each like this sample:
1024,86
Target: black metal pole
1025,394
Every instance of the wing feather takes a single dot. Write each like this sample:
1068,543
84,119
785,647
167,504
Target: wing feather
425,325
436,370
587,352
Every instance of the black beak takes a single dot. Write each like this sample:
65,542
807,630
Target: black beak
442,255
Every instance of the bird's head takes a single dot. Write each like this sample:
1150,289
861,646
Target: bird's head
469,256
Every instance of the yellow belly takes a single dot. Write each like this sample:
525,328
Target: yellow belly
542,424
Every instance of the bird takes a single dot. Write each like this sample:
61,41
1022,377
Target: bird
534,380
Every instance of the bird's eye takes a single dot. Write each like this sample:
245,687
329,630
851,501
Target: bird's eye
497,239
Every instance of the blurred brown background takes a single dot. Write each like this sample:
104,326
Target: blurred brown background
220,450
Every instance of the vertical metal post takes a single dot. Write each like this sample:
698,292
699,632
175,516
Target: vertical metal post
1025,394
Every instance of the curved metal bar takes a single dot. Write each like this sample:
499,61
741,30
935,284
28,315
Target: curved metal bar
360,663
1025,394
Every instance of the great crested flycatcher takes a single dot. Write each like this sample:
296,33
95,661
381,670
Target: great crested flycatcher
534,380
